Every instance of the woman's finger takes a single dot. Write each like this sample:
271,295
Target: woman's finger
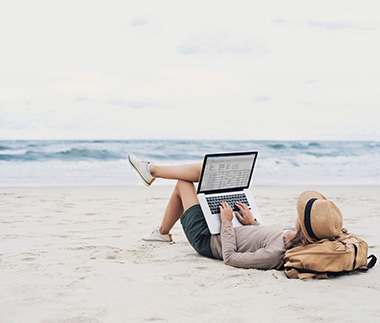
241,206
241,218
225,205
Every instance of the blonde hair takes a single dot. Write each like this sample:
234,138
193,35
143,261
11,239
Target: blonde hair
298,240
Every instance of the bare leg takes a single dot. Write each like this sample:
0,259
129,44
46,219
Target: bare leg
183,197
190,173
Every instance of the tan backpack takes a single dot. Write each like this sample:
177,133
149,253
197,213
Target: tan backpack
326,257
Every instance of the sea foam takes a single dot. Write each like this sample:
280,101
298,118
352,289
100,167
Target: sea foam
103,162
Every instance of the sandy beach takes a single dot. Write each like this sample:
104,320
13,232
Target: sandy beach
75,255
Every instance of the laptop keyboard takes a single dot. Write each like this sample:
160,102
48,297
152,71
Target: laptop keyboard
214,201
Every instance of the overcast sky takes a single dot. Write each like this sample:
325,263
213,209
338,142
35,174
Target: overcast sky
190,69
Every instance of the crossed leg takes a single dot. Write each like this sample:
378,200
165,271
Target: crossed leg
190,173
184,196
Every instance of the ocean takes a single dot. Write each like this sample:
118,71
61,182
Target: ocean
103,162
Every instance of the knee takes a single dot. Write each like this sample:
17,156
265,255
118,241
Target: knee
181,184
184,187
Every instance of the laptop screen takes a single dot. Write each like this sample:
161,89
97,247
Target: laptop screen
226,172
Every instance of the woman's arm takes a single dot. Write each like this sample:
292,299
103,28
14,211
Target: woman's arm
262,258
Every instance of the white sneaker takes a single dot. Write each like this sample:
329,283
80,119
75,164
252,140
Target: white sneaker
157,236
141,167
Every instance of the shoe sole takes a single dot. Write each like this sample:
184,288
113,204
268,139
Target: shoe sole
170,235
142,178
151,240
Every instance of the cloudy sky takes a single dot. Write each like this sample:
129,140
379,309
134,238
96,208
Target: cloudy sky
190,69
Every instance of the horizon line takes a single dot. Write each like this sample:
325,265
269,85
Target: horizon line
180,139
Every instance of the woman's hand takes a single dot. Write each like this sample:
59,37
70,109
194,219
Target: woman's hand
247,218
226,213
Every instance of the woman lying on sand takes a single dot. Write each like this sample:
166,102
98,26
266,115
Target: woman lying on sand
250,246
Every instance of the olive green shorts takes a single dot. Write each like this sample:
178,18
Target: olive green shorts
196,230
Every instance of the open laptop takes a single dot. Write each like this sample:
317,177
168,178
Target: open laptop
226,177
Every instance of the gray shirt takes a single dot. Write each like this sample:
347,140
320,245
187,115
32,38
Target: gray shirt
250,246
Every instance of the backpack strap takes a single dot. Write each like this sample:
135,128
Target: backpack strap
356,254
293,273
281,265
307,275
372,262
304,274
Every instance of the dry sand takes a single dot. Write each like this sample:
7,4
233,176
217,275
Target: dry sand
75,255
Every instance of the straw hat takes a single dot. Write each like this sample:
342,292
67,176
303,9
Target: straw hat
319,218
